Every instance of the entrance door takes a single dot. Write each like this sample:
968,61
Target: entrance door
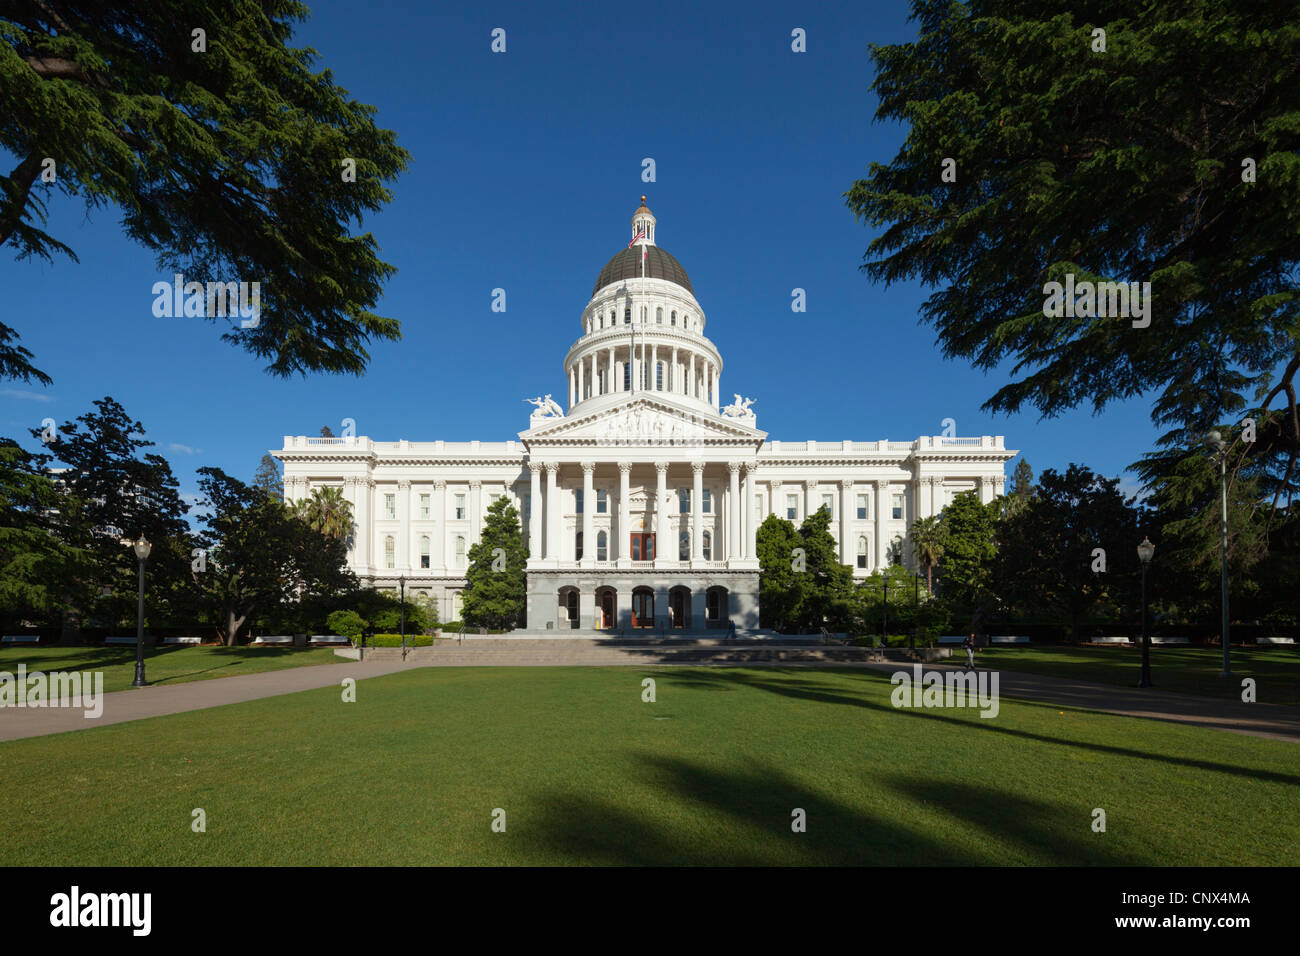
643,547
643,608
607,609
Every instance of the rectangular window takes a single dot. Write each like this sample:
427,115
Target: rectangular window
862,560
424,507
390,506
578,500
828,502
684,501
706,501
460,551
792,506
602,502
460,507
862,512
898,506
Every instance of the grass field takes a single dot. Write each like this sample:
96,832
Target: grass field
163,665
588,773
1185,670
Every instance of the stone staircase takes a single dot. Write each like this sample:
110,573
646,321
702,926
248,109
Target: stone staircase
558,651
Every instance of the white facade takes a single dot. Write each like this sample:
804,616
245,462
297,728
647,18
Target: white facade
642,497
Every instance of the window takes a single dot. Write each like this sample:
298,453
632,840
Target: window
683,501
578,499
758,509
424,550
673,320
627,316
460,550
659,316
390,551
862,552
577,547
390,506
684,546
602,501
708,546
792,506
828,502
706,502
862,507
424,507
659,376
460,507
602,547
896,550
627,377
898,506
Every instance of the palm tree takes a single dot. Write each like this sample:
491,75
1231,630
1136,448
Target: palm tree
929,536
327,511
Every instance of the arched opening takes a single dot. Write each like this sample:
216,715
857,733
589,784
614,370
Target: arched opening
602,546
716,609
643,607
606,607
568,607
679,607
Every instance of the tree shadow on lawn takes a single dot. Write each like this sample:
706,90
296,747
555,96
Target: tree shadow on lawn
804,689
587,828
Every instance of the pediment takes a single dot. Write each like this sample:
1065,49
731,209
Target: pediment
642,422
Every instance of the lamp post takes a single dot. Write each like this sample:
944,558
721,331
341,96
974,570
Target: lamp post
402,581
1220,449
142,549
1146,551
916,604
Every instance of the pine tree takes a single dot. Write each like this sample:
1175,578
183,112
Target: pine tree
495,590
267,479
781,585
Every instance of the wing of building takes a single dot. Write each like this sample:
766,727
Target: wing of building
642,496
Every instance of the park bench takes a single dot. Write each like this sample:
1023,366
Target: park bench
1009,639
1171,640
20,639
1112,639
276,639
182,640
1258,640
120,640
952,639
328,639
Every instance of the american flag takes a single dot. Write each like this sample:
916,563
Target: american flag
640,234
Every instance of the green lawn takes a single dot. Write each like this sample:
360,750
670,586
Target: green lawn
1185,670
162,665
588,773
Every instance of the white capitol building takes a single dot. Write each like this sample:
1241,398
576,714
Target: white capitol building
634,495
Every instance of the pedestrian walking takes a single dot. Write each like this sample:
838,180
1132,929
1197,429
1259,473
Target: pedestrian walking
969,644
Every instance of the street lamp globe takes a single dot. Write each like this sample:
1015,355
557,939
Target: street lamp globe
1146,551
1215,441
142,548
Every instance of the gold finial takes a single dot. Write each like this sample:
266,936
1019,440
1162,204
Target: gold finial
643,200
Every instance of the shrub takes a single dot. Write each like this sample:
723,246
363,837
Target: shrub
346,623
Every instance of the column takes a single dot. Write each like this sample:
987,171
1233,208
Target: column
735,509
749,520
809,498
986,490
713,378
552,511
535,511
846,521
665,550
690,382
697,512
673,375
438,551
582,369
613,380
620,542
403,561
475,510
591,376
369,487
776,505
588,507
882,500
573,378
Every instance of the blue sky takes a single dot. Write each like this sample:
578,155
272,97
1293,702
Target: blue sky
526,170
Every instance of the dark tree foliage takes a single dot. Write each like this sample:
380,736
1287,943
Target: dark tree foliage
495,591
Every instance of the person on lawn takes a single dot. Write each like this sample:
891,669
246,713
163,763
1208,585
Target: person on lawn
969,644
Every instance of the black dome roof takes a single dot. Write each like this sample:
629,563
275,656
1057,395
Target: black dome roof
659,264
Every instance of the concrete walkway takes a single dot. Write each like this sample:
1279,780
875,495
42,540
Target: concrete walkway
140,702
1259,720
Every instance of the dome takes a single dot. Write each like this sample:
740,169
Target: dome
659,264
